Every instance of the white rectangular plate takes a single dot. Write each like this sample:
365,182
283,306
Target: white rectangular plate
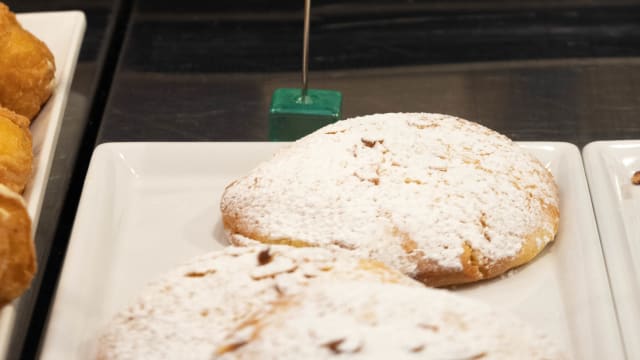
146,207
62,32
609,166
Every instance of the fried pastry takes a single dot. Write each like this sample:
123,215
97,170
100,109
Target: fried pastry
16,154
17,254
444,200
27,67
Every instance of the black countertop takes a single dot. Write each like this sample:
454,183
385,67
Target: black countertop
533,72
149,70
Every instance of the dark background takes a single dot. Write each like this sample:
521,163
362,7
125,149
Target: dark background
205,71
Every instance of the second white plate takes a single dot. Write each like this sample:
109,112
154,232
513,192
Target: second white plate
609,166
146,207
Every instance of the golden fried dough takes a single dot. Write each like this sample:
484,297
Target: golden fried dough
16,155
15,118
27,67
17,254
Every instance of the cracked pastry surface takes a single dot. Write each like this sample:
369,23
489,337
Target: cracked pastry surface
281,302
355,320
442,199
16,154
17,253
189,313
27,67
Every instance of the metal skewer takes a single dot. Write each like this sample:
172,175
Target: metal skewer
305,48
294,113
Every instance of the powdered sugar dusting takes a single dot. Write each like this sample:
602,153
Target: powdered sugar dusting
349,320
399,187
199,304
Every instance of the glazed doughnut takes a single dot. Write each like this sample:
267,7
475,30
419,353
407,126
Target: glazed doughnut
27,67
442,199
17,254
16,154
186,314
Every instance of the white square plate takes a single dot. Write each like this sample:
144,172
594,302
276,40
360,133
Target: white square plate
146,207
62,32
609,166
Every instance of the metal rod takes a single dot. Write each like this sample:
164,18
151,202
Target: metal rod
305,47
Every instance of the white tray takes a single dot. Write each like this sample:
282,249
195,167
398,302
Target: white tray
609,166
62,32
146,207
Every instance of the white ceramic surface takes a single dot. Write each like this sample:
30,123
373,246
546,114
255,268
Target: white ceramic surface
609,166
146,207
62,32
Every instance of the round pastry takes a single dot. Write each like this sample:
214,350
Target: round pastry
27,67
17,254
442,199
355,320
189,312
16,155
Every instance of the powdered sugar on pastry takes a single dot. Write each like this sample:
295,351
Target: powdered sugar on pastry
190,312
440,198
355,320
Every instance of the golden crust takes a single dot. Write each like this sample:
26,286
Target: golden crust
16,154
27,67
17,254
15,118
26,76
474,267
